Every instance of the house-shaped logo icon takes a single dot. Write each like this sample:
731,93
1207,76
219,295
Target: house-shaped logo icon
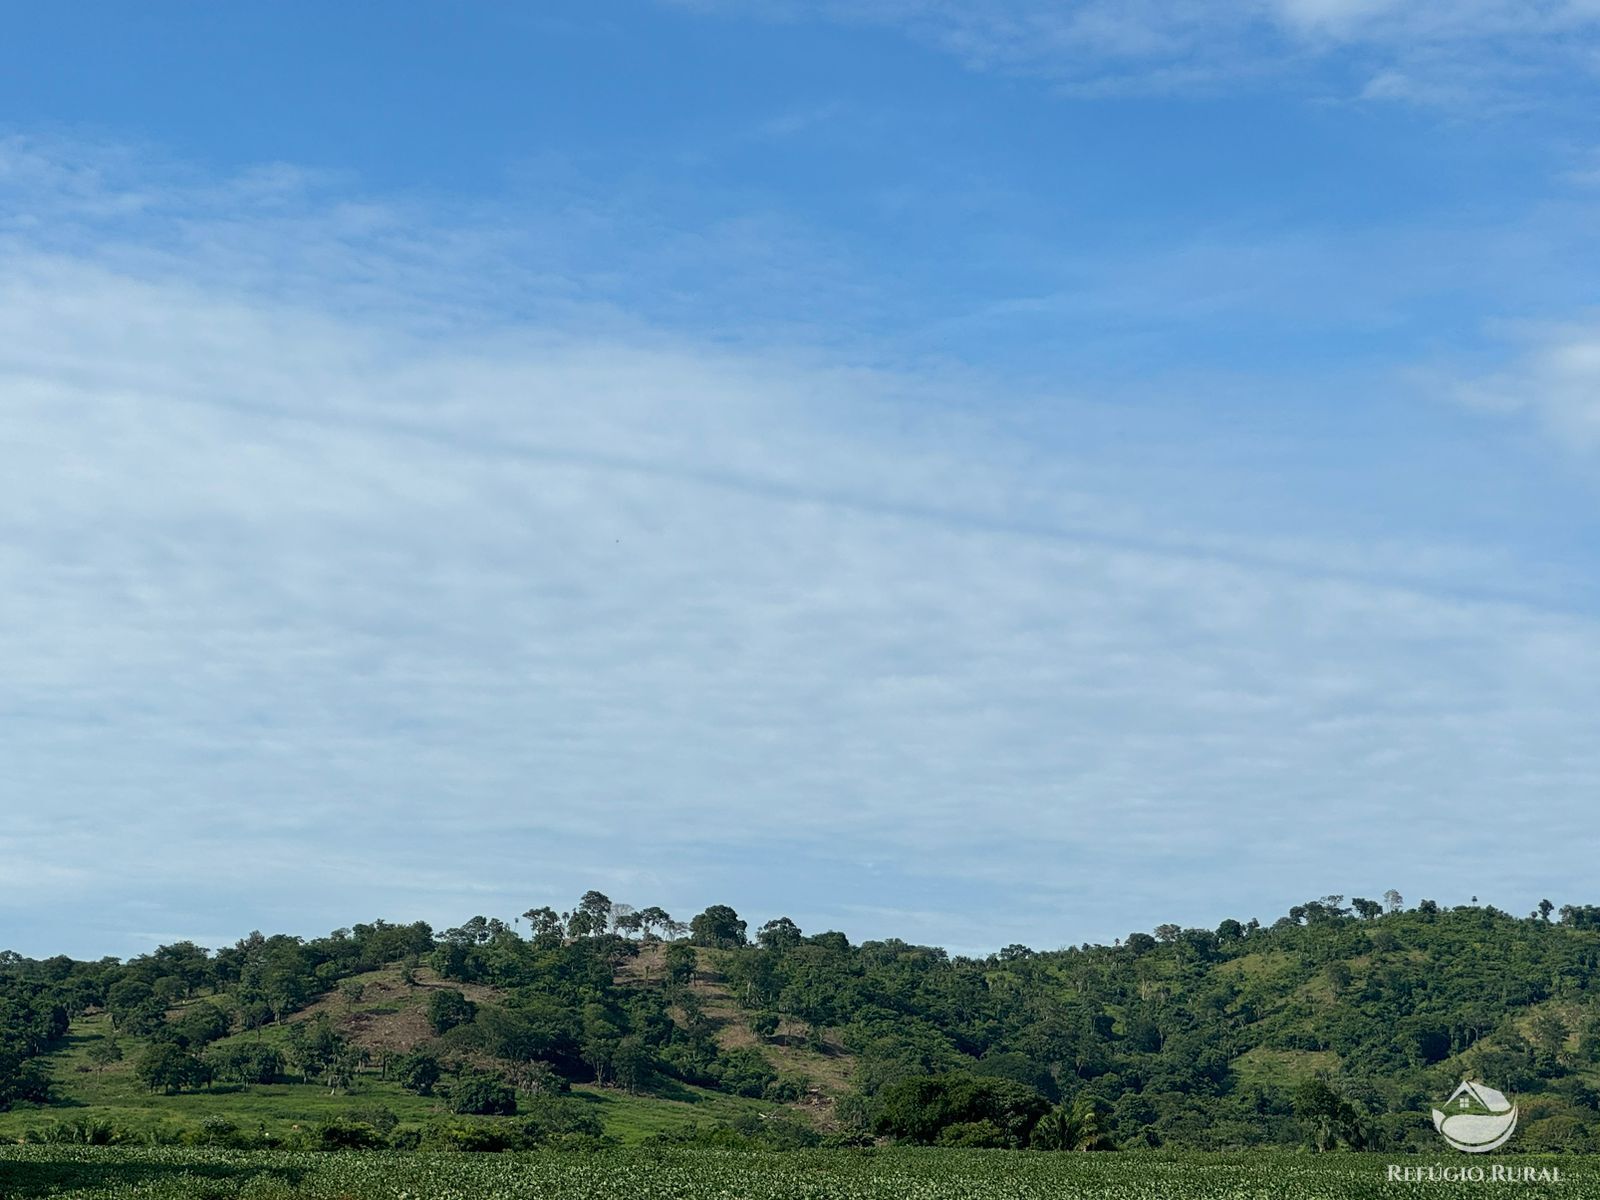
1476,1118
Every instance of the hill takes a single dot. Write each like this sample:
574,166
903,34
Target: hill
1335,1024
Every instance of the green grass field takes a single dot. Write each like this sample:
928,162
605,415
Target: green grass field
166,1174
112,1095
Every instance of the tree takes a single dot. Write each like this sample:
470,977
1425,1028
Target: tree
681,962
1328,1117
921,1109
482,1094
1337,974
1549,1034
631,1063
244,1063
105,1052
653,918
201,1025
1545,909
544,923
719,927
1394,900
599,1039
168,1067
339,1071
1366,909
1589,1038
627,920
418,1072
315,1048
448,1008
779,934
592,917
1076,1126
537,1079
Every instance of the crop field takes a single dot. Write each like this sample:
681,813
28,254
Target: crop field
634,1174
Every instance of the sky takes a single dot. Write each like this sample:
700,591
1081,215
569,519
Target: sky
984,472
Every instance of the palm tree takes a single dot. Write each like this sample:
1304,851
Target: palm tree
1078,1127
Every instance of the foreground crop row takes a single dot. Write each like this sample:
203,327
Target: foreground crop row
170,1174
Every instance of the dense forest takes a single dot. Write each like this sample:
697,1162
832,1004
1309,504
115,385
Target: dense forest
1335,1025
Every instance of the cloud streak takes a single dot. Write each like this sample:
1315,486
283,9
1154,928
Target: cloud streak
311,611
1553,379
1471,53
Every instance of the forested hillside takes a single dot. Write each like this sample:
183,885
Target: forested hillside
1337,1024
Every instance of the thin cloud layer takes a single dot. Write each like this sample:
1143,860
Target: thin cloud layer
311,612
1473,52
1553,379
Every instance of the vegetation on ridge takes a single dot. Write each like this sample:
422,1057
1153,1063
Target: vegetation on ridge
1336,1025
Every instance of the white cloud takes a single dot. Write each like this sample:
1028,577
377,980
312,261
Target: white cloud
1555,380
315,611
1481,51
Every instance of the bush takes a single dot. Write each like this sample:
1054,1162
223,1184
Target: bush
787,1089
778,1131
201,1025
344,1134
22,1082
82,1132
549,1120
972,1135
448,1008
745,1071
537,1079
920,1109
418,1072
490,1139
219,1132
407,1137
482,1094
380,1118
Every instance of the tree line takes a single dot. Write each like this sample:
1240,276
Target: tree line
1336,1024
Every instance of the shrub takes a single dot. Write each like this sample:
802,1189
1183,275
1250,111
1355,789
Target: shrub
380,1118
219,1132
745,1071
82,1132
448,1008
973,1135
418,1072
548,1120
407,1137
201,1025
778,1131
920,1109
482,1094
787,1089
344,1134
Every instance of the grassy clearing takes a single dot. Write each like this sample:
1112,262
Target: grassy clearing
114,1095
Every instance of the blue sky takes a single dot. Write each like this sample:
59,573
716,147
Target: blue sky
987,472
